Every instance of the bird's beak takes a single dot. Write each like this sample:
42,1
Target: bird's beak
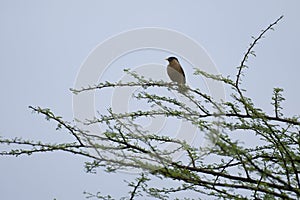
166,59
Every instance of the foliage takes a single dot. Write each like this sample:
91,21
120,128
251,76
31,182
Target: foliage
228,170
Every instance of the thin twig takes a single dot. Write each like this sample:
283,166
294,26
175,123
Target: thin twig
251,47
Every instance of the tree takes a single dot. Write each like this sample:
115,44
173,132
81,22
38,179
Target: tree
228,170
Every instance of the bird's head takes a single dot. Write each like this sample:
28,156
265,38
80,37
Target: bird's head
170,59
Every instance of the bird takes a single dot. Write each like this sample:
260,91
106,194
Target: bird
176,73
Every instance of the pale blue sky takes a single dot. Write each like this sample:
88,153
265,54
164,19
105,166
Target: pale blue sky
43,44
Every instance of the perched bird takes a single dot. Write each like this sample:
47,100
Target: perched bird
176,73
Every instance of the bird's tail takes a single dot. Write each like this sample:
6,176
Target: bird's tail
182,88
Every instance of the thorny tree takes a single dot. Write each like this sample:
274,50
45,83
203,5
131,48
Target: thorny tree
228,169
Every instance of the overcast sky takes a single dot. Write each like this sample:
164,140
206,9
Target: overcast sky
43,44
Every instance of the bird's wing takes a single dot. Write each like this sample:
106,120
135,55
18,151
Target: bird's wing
181,71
